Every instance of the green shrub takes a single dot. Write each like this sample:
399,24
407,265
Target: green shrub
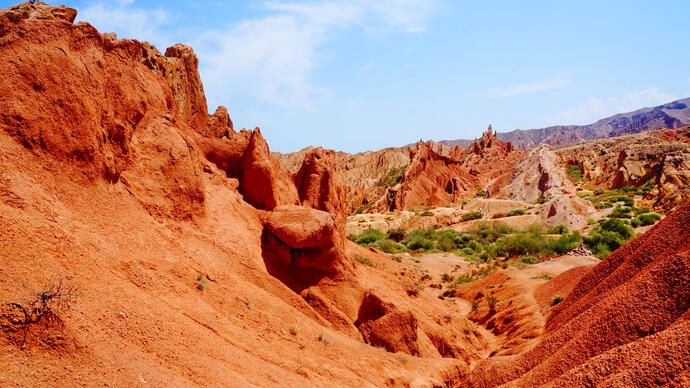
621,212
472,216
369,236
639,210
446,243
393,177
467,251
618,227
558,229
625,199
566,243
557,299
649,218
529,259
500,228
541,200
574,172
475,245
202,282
590,221
427,213
446,278
420,243
598,191
608,205
390,246
396,234
523,244
635,222
480,193
516,212
608,237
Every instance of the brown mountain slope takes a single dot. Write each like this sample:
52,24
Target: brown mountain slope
659,158
194,264
675,114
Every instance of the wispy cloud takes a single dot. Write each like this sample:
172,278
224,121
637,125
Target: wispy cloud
368,67
271,58
596,108
525,88
129,22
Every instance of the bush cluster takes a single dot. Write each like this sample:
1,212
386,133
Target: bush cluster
515,212
486,242
472,216
610,235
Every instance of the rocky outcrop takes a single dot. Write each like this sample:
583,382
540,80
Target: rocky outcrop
219,125
541,175
635,161
180,70
319,184
263,183
429,179
40,11
674,181
432,178
106,113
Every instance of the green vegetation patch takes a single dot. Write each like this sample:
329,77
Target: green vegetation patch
393,177
472,216
516,212
575,173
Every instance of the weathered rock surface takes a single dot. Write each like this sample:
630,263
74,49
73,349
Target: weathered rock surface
263,183
541,175
320,185
219,124
636,160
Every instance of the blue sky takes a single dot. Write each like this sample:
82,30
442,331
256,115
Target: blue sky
362,75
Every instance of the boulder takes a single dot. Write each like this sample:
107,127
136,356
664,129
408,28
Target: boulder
302,227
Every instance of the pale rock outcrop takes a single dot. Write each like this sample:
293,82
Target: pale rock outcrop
541,175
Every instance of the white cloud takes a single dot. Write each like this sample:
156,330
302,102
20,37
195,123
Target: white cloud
128,22
271,58
525,88
595,108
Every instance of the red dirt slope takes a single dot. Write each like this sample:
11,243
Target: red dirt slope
625,323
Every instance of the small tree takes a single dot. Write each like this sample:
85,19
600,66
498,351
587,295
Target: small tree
47,307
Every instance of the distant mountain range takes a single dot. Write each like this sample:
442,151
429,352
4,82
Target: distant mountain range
672,115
